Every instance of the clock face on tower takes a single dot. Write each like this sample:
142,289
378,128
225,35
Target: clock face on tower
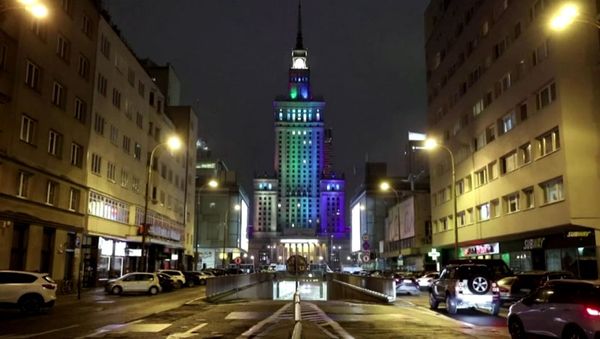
299,63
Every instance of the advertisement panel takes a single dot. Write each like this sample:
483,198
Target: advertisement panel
356,228
244,227
401,219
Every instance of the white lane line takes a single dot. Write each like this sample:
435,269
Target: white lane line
254,329
330,322
108,328
39,334
187,334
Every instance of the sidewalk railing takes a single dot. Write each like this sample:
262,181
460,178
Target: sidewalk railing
352,286
222,285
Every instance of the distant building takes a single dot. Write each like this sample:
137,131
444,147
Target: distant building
301,208
517,104
221,232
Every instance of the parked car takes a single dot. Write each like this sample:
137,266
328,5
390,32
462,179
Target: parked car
518,286
26,290
166,282
177,276
425,280
134,282
196,278
406,285
560,309
465,286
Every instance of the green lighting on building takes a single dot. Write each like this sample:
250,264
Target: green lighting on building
293,93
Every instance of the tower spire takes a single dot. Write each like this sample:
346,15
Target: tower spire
299,44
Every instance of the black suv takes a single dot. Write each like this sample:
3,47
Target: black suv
465,286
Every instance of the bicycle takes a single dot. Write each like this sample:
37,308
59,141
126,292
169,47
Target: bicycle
66,286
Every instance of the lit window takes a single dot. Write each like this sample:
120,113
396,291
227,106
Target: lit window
23,184
546,96
483,211
553,190
512,203
51,192
27,129
548,142
54,143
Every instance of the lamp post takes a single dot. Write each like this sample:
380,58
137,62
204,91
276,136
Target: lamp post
253,267
432,144
173,143
567,14
213,184
385,187
226,231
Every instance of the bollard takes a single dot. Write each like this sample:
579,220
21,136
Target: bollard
297,310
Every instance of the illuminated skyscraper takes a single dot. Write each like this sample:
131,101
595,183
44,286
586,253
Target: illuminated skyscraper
303,199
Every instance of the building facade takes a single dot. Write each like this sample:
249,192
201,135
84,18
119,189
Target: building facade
517,104
305,198
46,81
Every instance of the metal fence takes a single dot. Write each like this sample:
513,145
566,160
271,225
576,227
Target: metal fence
383,289
231,283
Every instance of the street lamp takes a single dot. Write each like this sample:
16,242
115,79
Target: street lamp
253,267
237,208
566,15
35,7
432,144
173,144
385,187
212,183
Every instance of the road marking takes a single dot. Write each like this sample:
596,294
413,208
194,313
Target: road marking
187,334
254,329
108,328
38,334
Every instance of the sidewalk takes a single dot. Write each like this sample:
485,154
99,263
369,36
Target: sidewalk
87,295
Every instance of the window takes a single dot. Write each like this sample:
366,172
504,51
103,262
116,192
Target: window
137,151
27,129
96,164
102,84
86,25
523,111
468,183
99,123
76,154
141,88
74,197
507,123
495,208
480,141
478,107
483,212
512,203
492,170
124,178
546,96
108,208
111,171
23,184
443,224
54,143
51,192
528,198
38,27
83,68
32,75
139,120
80,110
525,154
490,134
151,99
131,76
114,135
481,177
549,142
461,218
66,6
58,94
105,46
126,144
541,53
116,99
460,187
553,190
509,162
63,48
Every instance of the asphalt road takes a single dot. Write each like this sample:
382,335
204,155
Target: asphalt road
185,314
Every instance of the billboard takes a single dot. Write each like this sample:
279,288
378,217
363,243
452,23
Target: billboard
355,228
401,219
244,227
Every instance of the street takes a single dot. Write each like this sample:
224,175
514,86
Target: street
184,314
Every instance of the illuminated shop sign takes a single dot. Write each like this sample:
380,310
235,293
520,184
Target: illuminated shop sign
578,234
483,249
530,244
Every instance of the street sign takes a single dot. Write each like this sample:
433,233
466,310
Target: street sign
366,258
365,237
238,260
366,245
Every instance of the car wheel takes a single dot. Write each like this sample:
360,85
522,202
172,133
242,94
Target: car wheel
451,306
433,302
496,308
117,290
190,283
573,332
153,290
516,329
179,284
31,303
479,285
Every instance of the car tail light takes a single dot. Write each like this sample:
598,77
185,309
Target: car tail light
459,286
504,290
49,286
595,312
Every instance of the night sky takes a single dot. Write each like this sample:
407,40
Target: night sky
232,57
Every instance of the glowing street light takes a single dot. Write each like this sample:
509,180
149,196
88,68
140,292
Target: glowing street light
39,11
173,144
564,16
213,183
431,145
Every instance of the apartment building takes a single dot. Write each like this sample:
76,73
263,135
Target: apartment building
517,104
129,121
46,81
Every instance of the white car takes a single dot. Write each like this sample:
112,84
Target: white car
426,280
559,309
177,276
26,290
134,282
